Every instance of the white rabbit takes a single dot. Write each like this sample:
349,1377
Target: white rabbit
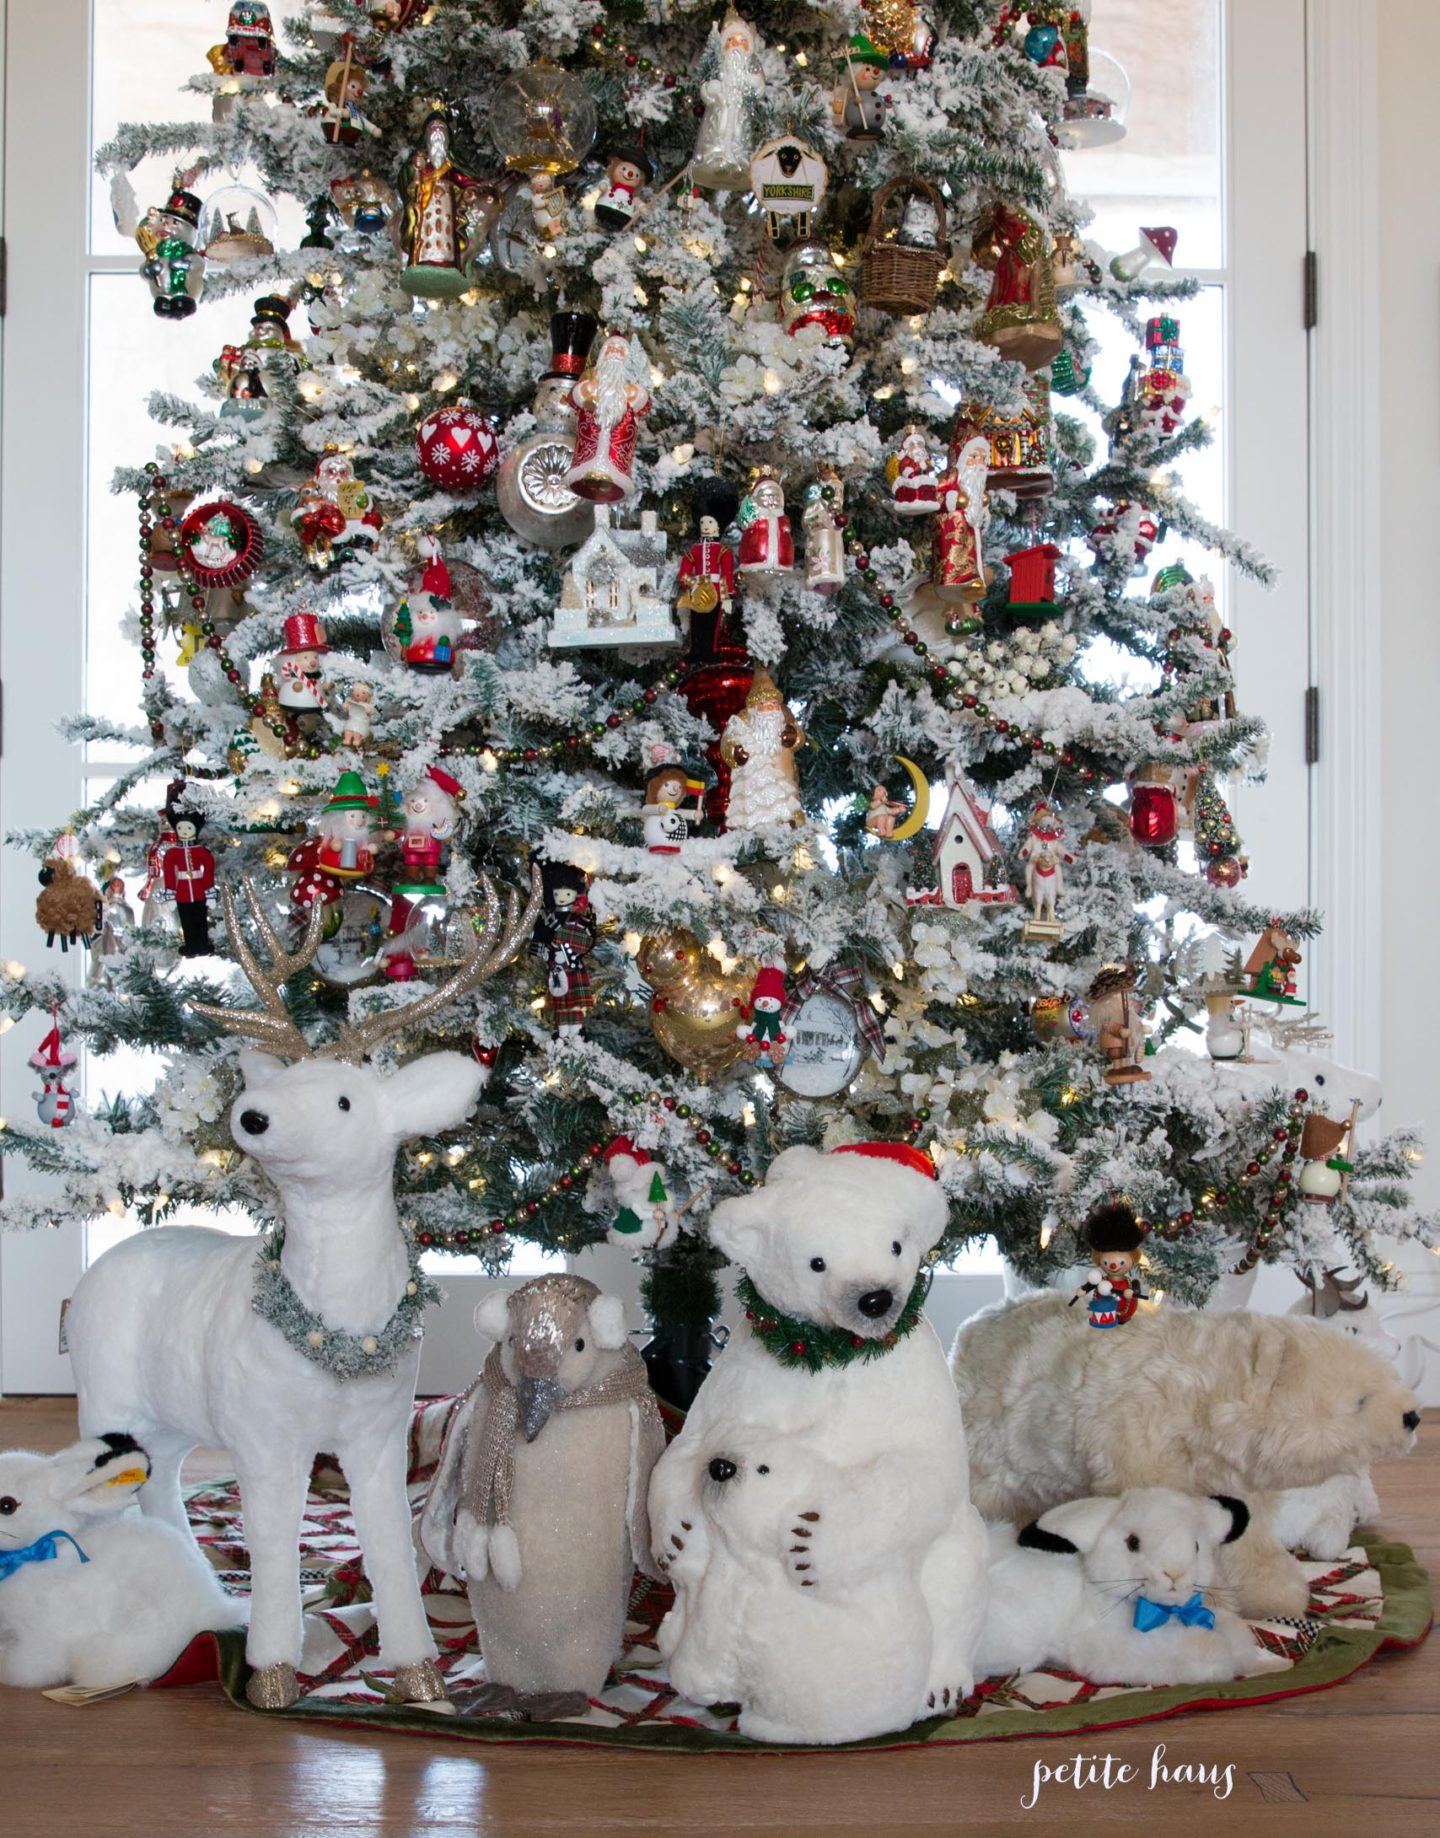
1322,1519
1112,1588
90,1595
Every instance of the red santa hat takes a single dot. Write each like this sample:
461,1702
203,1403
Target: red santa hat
769,983
903,1153
450,786
622,1145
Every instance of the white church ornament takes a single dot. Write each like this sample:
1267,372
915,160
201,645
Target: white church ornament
613,590
968,862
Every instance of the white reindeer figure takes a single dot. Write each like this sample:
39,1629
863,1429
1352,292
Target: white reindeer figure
165,1337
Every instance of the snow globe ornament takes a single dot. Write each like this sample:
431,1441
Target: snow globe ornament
826,1044
612,589
542,120
731,86
173,266
457,448
789,180
628,172
1097,90
239,224
449,214
813,291
220,544
532,486
365,205
356,926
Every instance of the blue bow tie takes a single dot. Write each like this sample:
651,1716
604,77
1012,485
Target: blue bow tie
1150,1615
40,1552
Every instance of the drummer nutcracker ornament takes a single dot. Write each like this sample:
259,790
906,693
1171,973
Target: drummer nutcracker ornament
707,568
187,869
608,403
913,472
348,830
762,1033
767,544
565,932
1117,1016
1114,1286
824,522
300,686
627,173
1046,859
432,818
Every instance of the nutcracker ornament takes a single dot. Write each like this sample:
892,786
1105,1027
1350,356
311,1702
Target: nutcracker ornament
913,475
957,569
1114,1286
860,99
334,518
732,84
707,568
759,746
52,1060
449,213
431,822
761,1034
789,180
824,522
646,1211
249,47
565,932
1117,1017
457,448
608,403
188,871
344,121
813,292
628,172
173,266
767,545
532,486
1021,318
301,688
348,830
666,820
1046,859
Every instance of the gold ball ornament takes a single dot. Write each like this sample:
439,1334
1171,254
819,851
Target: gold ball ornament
695,1008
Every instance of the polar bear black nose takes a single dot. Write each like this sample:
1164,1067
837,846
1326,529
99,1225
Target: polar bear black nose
722,1470
254,1122
875,1302
1411,1419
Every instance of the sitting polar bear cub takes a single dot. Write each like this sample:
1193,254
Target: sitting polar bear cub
839,1594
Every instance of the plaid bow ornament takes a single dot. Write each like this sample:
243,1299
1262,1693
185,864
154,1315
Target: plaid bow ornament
843,982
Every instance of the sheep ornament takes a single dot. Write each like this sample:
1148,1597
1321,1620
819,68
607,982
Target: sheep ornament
91,1594
539,1499
814,1512
183,1336
1116,1590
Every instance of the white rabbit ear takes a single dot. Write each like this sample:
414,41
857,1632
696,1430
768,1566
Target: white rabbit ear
1079,1522
492,1314
102,1475
607,1322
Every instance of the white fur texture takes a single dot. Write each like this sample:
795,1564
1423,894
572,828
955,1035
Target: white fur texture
839,1595
1238,1403
1077,1610
126,1614
166,1345
1322,1519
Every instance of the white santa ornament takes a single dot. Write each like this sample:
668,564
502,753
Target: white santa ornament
758,745
608,404
646,1210
731,96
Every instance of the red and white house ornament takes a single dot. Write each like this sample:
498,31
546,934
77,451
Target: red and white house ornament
52,1060
457,448
967,856
220,543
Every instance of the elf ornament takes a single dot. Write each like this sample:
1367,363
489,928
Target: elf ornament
301,687
608,404
759,746
1117,1016
188,871
52,1060
707,568
767,545
456,448
565,932
1021,319
1114,1286
1046,858
348,830
431,821
627,173
824,522
645,1204
761,1033
731,95
913,474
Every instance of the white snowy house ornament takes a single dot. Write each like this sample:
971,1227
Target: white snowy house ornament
967,855
612,591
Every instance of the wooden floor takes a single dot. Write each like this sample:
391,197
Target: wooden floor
1363,1759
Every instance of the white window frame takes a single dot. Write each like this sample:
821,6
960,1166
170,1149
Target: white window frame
43,492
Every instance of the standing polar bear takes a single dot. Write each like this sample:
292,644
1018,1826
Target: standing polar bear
814,1513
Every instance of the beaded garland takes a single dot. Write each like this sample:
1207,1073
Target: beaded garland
798,1343
342,1355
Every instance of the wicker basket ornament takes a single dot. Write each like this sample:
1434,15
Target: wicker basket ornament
895,276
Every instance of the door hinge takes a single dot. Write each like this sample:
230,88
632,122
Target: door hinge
1312,726
1312,290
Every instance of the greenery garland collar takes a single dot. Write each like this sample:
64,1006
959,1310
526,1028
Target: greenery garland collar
342,1355
799,1343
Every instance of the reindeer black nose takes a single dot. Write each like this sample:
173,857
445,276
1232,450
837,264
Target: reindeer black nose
722,1470
875,1302
1411,1419
254,1122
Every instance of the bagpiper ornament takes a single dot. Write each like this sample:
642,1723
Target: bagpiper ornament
173,266
767,544
448,216
628,172
913,475
220,544
731,86
531,486
52,1060
707,568
759,746
1046,859
1113,1287
334,517
957,570
814,292
565,932
665,819
646,1212
68,906
249,47
761,1034
1021,319
188,870
789,180
1117,1017
301,688
860,98
824,523
608,403
457,448
693,1002
431,820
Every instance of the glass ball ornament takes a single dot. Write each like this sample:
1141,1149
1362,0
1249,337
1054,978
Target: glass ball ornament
1228,871
542,120
238,224
694,1009
347,956
209,682
1154,813
456,448
425,931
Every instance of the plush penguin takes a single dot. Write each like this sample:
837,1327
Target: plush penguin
539,1499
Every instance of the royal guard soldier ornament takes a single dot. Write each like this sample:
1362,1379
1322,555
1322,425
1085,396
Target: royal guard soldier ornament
1114,1286
608,403
187,869
707,568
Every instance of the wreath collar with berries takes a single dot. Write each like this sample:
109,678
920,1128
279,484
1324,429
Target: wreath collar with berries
806,1345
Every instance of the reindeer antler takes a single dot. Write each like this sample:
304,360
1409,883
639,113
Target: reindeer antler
487,950
270,1025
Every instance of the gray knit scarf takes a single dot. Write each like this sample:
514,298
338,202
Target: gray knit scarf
487,1468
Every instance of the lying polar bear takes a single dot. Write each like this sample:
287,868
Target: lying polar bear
1234,1403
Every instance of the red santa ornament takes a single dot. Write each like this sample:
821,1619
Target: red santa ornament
767,544
457,448
762,1033
424,628
432,816
608,404
52,1060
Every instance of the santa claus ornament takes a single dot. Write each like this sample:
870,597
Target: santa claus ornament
759,746
422,630
645,1211
457,448
220,544
52,1060
608,403
913,474
761,1032
432,817
767,543
1113,1287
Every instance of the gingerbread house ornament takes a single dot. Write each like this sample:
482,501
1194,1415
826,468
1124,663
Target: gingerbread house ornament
968,862
613,592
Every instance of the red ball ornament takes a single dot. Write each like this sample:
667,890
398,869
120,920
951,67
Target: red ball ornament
1226,872
457,448
1154,818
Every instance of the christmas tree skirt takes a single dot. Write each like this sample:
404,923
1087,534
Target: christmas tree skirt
1374,1598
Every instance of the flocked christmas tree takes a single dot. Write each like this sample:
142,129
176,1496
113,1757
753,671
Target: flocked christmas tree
654,466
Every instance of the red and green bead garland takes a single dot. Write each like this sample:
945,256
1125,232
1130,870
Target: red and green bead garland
568,743
1286,1143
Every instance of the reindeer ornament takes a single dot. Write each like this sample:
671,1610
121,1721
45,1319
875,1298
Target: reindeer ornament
177,1337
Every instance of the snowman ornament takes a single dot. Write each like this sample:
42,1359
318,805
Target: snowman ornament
646,1211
